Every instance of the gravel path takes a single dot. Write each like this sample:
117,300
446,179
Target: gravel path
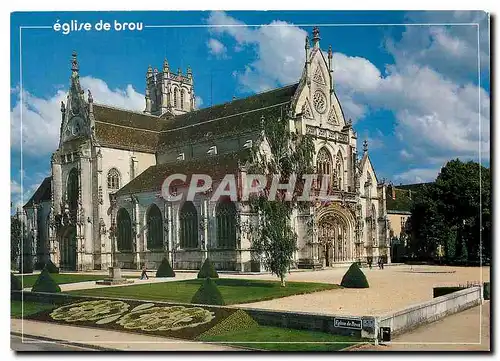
390,289
458,332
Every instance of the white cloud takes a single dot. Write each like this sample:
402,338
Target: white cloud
216,48
405,155
19,196
15,187
41,117
436,108
418,175
198,102
450,50
279,51
127,98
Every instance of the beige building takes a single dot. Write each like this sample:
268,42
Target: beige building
104,192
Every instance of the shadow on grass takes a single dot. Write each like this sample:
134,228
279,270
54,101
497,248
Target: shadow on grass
236,282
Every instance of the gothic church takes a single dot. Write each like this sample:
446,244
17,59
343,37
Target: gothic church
103,198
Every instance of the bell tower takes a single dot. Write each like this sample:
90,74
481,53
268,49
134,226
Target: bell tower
167,92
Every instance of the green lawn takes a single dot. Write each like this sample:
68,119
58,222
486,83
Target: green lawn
233,290
29,308
291,340
29,280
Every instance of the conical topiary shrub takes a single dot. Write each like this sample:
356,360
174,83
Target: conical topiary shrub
165,270
208,294
354,278
45,283
208,270
51,267
15,283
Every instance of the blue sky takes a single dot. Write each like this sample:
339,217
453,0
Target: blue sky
412,91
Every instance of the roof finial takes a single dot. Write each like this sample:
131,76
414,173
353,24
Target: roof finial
63,107
316,37
365,146
165,65
307,42
91,100
74,63
330,53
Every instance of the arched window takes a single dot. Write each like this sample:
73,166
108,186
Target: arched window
182,98
40,249
176,95
339,171
124,228
324,163
113,179
155,227
226,225
72,189
188,226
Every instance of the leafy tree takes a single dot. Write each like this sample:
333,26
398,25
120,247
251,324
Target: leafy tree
274,239
277,241
455,212
16,235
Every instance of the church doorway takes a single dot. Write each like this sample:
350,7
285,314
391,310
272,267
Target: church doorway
333,237
68,250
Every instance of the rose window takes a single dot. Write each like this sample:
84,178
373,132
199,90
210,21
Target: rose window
319,101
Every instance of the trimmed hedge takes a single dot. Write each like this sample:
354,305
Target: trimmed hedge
441,291
51,267
15,283
486,290
354,278
165,270
240,320
208,270
208,294
45,283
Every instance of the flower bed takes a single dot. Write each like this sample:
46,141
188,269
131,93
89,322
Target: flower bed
180,321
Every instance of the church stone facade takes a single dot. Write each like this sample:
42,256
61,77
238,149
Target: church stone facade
104,200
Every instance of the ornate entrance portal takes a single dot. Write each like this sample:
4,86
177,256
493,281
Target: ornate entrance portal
334,239
68,249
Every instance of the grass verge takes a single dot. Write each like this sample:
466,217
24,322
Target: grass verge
282,339
30,308
233,291
60,279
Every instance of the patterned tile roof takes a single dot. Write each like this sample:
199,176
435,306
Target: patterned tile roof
216,166
234,117
400,198
42,194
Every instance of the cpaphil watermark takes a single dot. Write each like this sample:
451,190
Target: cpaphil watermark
310,188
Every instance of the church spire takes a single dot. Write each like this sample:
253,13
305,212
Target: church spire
316,37
74,64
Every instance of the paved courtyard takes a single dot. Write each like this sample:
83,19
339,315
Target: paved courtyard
392,288
468,330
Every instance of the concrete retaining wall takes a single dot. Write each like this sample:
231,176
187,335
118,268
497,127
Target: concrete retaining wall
439,307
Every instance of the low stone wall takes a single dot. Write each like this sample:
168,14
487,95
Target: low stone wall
341,325
439,307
